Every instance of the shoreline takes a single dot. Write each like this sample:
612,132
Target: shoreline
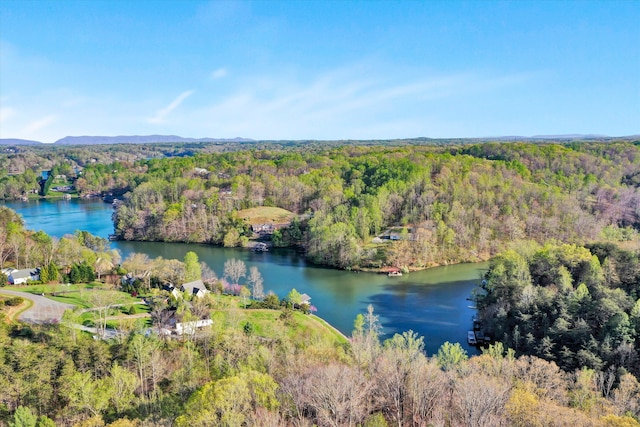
356,269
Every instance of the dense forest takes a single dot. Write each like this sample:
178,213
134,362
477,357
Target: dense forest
574,305
446,204
450,204
561,300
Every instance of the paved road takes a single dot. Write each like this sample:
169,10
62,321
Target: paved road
43,309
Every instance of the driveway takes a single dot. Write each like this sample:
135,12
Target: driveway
43,309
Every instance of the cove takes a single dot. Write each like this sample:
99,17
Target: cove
432,302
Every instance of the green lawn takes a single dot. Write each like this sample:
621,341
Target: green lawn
266,214
302,328
76,294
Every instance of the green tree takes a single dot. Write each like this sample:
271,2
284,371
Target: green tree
451,356
294,297
23,417
122,384
44,421
84,394
192,270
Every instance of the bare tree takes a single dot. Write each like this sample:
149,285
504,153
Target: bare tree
339,395
427,387
103,301
4,247
209,276
256,283
234,269
480,400
139,266
401,357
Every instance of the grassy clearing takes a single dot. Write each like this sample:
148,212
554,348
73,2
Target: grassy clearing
299,328
266,214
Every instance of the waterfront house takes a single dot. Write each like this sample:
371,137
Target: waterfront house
267,229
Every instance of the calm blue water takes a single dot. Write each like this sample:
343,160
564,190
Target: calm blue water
432,302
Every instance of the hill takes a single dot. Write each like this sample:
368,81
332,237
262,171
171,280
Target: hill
16,141
137,139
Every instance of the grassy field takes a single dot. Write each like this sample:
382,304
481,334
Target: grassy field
266,214
299,327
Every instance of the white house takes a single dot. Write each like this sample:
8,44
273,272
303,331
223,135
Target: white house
190,328
18,277
195,288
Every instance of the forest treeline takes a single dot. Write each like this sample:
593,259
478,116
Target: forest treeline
448,204
457,204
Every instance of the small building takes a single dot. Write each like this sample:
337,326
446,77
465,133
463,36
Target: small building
201,171
471,338
195,288
18,277
267,229
261,247
172,290
190,328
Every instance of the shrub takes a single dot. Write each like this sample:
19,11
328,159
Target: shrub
14,301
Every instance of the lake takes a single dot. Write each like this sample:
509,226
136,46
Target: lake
432,303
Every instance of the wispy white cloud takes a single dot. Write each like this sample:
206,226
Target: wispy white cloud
349,103
219,73
160,115
5,113
39,124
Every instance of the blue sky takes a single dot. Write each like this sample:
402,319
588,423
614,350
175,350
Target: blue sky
318,69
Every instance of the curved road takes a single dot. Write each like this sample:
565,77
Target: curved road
43,309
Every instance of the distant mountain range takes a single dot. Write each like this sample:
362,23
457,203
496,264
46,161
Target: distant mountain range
133,139
14,141
149,139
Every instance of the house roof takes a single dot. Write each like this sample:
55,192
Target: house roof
193,287
24,273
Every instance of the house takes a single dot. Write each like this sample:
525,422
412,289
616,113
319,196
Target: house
172,290
201,171
268,228
190,327
196,288
263,228
18,277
